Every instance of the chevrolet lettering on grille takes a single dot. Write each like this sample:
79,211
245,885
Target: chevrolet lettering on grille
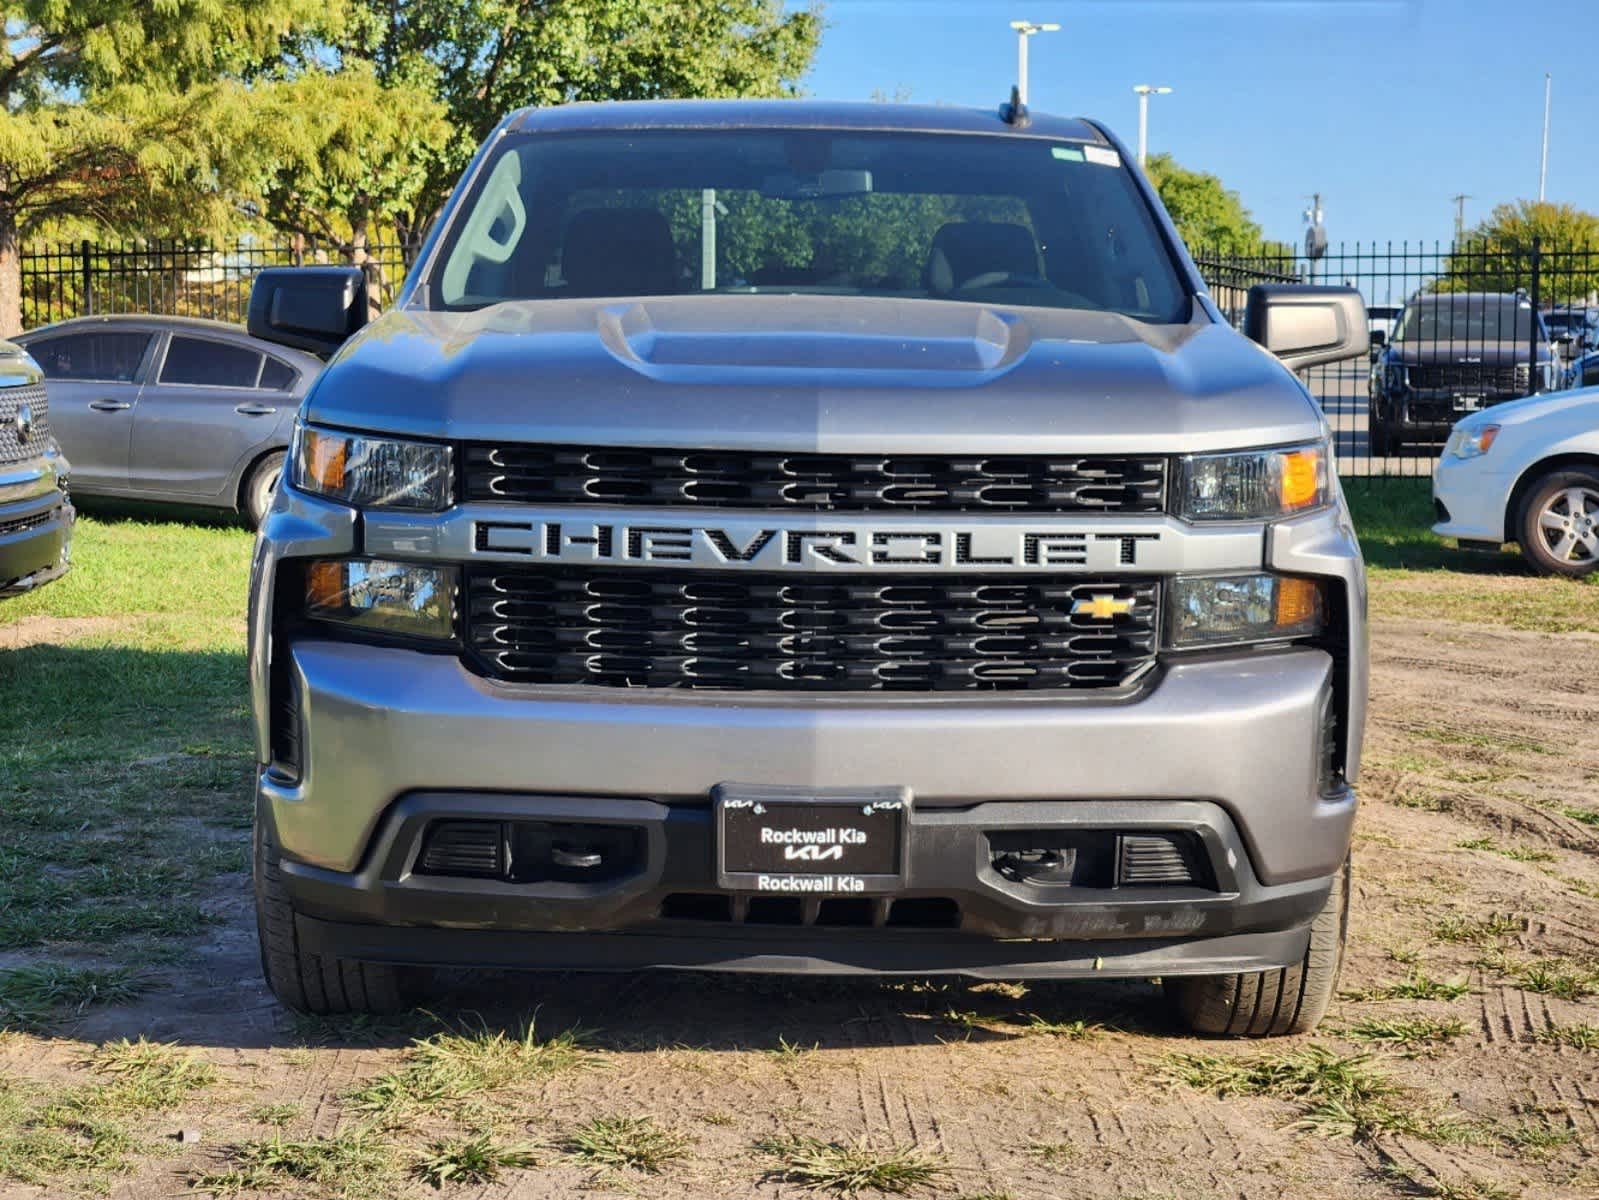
775,547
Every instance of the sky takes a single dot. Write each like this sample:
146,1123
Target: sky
1388,108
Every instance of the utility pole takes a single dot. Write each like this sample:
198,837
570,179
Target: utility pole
1460,217
1025,30
1145,91
1543,163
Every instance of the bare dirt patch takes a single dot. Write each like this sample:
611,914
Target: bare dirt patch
1476,877
43,631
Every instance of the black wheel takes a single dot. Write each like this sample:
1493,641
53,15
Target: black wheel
312,983
1271,1003
1558,526
259,488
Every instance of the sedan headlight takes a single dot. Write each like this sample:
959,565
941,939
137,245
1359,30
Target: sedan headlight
374,472
1470,442
382,597
1255,484
1228,610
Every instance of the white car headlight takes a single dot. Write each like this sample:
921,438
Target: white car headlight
1255,484
1471,441
371,472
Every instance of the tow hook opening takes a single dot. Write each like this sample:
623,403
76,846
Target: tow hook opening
1049,858
531,851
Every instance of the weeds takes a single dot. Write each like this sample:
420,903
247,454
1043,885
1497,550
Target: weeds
144,1076
1410,1033
1418,985
632,1143
31,996
1461,930
1579,1036
1071,1031
788,1053
850,1168
478,1159
356,1163
1565,978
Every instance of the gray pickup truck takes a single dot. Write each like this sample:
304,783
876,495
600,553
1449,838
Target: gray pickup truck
36,515
798,537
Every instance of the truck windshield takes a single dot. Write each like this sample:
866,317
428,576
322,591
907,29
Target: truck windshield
1468,319
1017,221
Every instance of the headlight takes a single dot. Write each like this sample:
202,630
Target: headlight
1227,610
1256,484
1470,442
384,597
371,472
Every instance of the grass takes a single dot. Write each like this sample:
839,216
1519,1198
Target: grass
1070,1031
473,1160
1418,985
1559,976
850,1168
1463,930
33,996
1337,1095
147,1076
627,1143
1580,1035
1419,576
355,1163
789,1053
446,1068
1409,1033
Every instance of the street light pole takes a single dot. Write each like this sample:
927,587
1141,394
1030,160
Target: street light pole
1543,162
1025,30
1145,91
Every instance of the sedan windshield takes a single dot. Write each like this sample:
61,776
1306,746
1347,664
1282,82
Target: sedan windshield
1002,220
1468,319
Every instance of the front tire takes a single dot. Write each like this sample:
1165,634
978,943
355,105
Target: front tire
1558,526
321,985
259,488
1271,1003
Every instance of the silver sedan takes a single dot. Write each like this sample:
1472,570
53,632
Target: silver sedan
171,408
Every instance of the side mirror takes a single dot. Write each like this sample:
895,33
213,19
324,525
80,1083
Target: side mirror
310,308
1305,325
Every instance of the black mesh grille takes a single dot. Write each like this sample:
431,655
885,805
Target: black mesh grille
1468,377
24,524
1030,483
695,629
12,447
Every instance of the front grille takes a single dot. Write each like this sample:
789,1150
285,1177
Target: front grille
1472,378
1017,483
12,447
24,524
744,631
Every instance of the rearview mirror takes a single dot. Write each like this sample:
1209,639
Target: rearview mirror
1305,325
310,308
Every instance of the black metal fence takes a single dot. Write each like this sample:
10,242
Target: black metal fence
1461,327
1455,328
192,279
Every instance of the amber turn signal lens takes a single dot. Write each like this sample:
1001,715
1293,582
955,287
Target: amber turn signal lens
1301,478
1298,603
324,459
324,585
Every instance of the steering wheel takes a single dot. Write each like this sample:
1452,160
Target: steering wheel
990,279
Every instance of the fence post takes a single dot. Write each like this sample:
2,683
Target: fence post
1533,384
88,280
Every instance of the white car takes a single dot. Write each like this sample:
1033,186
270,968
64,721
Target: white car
1526,471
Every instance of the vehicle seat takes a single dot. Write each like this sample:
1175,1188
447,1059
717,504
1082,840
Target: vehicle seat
618,252
963,251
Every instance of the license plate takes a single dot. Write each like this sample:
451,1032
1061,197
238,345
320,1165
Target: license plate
786,842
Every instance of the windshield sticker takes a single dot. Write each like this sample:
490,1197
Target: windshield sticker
1103,156
1067,153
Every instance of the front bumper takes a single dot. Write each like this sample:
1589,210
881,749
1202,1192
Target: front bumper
35,541
1473,497
1227,746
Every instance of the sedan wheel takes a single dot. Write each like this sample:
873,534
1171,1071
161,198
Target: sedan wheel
261,487
1559,531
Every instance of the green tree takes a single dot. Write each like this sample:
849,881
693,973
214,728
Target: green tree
1496,256
484,58
1209,216
128,112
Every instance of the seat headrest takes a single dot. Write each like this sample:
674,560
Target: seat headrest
963,250
618,252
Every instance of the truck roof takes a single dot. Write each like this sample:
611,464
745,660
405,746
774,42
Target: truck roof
854,116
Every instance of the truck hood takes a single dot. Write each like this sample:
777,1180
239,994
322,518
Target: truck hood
821,373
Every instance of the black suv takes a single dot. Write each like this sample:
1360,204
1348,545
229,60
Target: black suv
1451,355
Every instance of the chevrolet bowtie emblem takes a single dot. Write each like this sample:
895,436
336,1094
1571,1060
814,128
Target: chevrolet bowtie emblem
1102,608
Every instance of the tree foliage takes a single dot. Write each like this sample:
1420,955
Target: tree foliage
1496,255
1209,216
484,58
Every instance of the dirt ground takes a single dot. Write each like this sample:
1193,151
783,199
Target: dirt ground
1476,878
